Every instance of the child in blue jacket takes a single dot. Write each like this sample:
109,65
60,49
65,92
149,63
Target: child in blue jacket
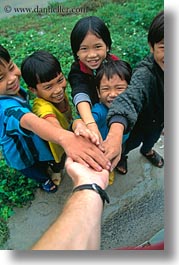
22,148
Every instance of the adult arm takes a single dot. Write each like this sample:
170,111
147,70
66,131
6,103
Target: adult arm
79,149
79,225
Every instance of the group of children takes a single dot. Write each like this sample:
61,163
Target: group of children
30,141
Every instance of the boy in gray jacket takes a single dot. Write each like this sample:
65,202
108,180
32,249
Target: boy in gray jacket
140,109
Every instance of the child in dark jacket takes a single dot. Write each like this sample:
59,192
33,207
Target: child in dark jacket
91,44
140,109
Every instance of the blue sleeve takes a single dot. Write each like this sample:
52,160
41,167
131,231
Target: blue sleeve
98,115
12,117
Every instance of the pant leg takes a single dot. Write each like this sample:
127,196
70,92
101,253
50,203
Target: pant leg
37,172
150,138
57,167
135,139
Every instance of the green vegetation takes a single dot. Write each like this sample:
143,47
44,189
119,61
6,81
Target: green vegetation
128,22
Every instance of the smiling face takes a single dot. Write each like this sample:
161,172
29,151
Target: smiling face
158,52
110,88
53,91
92,51
9,78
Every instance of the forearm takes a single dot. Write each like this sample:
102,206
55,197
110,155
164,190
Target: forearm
85,112
43,128
116,132
76,147
78,227
54,121
113,143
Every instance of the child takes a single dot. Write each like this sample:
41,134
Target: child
141,106
43,75
18,144
112,79
19,130
91,44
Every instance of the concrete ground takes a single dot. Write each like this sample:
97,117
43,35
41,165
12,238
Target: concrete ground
135,213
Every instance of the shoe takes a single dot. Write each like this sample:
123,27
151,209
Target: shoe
49,186
156,159
122,165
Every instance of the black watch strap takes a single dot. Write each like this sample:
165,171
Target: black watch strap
94,187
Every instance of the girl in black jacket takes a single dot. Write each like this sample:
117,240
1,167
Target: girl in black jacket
91,44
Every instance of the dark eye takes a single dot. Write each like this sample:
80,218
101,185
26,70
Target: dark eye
47,87
83,48
11,67
60,80
104,89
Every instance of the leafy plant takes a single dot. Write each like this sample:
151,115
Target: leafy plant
15,190
4,232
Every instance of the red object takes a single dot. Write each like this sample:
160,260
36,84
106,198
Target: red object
157,246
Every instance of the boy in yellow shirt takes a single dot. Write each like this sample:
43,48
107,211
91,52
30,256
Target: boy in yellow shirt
43,74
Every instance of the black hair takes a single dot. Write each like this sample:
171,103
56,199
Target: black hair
111,67
89,24
156,29
4,55
40,67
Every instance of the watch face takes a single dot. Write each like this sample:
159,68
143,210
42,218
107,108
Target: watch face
101,192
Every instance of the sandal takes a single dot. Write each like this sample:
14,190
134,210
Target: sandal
122,165
49,186
56,178
155,159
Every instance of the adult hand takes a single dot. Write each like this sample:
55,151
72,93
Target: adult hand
81,174
85,152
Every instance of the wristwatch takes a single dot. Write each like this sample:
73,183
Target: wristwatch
94,187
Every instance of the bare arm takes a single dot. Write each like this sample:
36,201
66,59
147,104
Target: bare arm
87,117
79,225
54,121
76,147
85,112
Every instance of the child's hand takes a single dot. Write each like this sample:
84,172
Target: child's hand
94,128
82,130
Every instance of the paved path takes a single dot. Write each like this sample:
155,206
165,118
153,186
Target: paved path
135,214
